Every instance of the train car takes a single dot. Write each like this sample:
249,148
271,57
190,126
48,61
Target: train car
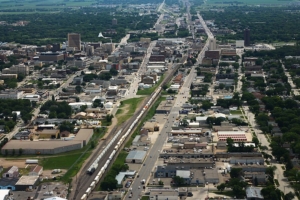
93,184
88,191
84,197
97,178
116,147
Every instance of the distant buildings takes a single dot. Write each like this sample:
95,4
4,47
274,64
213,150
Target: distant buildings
247,37
51,57
17,69
74,40
212,44
11,94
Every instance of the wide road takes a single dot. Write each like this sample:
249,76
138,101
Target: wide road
153,154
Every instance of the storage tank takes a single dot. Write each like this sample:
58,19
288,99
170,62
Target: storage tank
31,161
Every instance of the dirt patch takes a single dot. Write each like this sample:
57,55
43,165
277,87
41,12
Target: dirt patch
8,163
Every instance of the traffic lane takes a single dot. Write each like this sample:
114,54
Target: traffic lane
145,171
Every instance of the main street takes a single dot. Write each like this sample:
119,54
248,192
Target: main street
153,154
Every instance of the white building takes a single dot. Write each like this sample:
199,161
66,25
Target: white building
11,94
31,97
77,105
239,43
16,69
108,105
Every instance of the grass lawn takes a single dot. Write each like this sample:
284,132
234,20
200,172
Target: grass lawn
226,193
73,160
127,109
236,112
60,162
145,198
250,2
149,91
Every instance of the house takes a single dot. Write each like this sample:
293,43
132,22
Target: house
8,183
12,172
254,193
36,171
77,80
148,80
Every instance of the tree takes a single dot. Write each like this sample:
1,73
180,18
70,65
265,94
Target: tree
255,141
229,142
179,181
236,66
53,98
184,123
289,196
235,172
206,105
109,183
20,151
6,152
221,187
78,89
66,126
13,152
92,144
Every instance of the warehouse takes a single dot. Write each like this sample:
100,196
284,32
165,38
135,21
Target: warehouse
136,156
8,183
246,160
41,147
211,176
151,126
237,136
27,182
84,135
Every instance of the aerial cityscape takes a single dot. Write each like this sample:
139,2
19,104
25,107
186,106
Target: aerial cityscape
149,99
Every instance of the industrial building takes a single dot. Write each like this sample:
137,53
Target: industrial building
27,182
136,156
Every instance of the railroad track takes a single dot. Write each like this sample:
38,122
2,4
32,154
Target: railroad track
86,183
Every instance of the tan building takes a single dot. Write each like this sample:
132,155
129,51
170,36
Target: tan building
74,40
28,90
48,134
151,126
7,76
16,69
145,40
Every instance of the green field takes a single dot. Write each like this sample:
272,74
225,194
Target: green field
253,2
127,109
43,4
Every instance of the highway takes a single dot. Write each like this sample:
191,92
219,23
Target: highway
153,152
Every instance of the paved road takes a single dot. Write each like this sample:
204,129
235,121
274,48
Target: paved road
145,171
143,68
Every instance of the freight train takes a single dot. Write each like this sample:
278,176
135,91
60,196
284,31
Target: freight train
95,165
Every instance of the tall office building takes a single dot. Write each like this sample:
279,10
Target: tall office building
246,37
212,44
74,40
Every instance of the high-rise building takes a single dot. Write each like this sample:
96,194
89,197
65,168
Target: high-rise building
56,47
247,37
74,40
89,50
212,44
114,21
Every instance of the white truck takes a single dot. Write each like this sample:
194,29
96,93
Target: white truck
143,181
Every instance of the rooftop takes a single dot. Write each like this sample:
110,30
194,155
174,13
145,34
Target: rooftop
16,144
254,192
27,180
136,155
183,173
